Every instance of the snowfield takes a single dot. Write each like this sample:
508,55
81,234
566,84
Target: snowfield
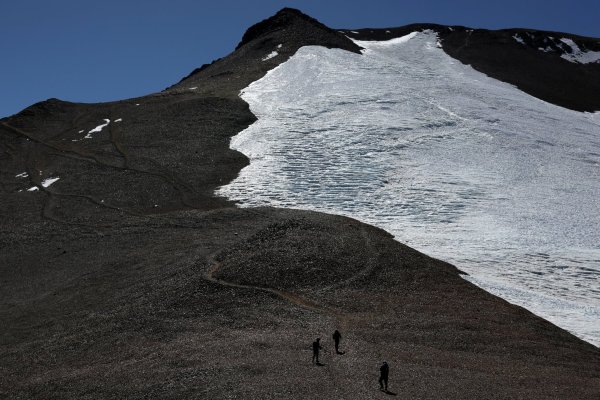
453,163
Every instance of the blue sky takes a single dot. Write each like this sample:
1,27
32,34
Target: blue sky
102,50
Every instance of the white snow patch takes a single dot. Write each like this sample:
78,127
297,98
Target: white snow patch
81,131
22,175
119,120
548,49
518,39
388,32
270,55
137,104
279,46
49,181
354,32
194,88
98,128
33,189
370,44
579,56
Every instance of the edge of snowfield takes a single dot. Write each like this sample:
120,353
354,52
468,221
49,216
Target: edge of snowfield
575,316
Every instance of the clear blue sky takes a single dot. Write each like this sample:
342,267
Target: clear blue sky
102,50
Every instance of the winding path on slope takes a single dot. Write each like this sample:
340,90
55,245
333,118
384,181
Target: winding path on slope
343,319
119,161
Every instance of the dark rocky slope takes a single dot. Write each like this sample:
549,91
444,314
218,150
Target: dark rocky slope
128,279
129,311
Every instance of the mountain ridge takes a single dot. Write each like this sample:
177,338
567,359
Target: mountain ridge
493,52
289,29
496,53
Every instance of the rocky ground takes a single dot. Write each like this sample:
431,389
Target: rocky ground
127,278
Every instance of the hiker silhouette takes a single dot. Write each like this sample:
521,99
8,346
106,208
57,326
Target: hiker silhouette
336,338
383,377
316,347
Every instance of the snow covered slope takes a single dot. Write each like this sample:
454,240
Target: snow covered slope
458,165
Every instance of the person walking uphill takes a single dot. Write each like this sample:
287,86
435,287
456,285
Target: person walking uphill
383,377
336,338
316,347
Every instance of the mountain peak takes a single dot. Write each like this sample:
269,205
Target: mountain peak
288,19
263,46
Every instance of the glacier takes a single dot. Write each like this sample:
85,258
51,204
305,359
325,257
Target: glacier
458,165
